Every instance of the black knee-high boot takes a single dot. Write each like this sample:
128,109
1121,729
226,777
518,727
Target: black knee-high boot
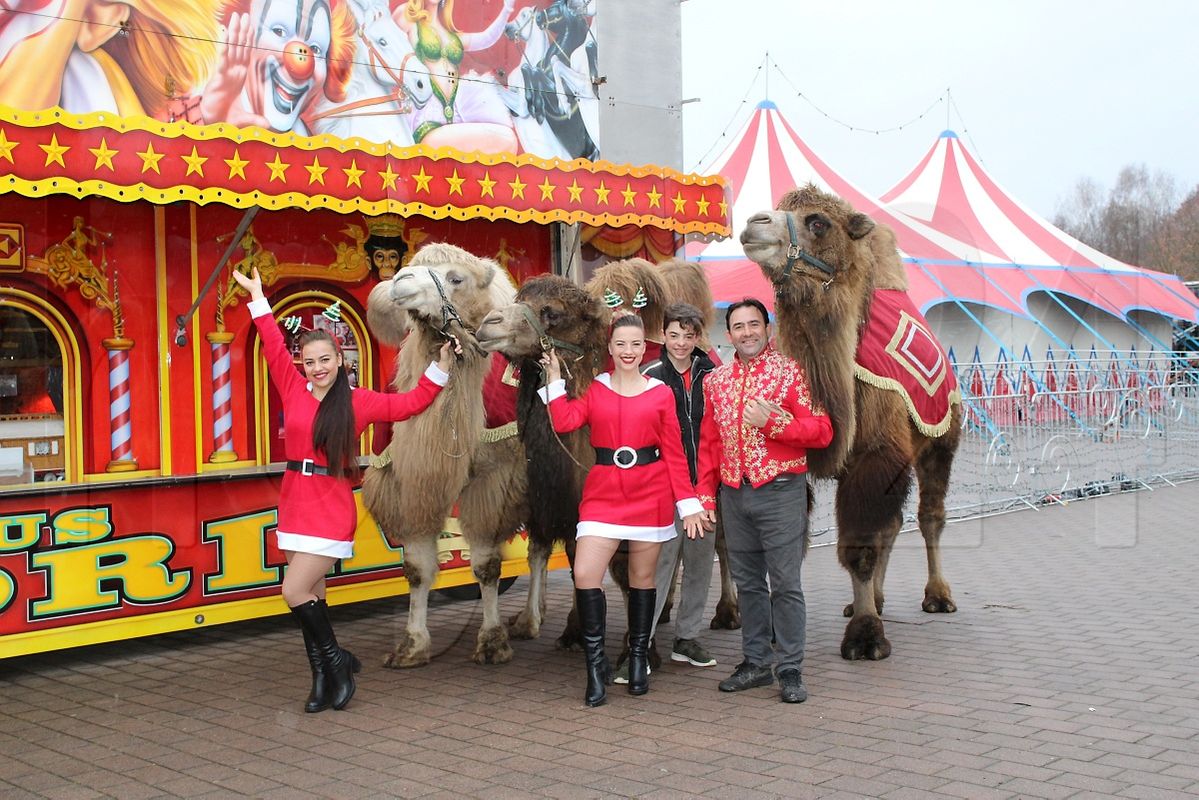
318,697
593,614
338,665
641,618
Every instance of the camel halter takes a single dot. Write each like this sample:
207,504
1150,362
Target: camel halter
795,254
546,341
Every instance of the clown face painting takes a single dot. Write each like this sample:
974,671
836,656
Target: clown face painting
289,61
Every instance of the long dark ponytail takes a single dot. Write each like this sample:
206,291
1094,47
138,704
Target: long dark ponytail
333,430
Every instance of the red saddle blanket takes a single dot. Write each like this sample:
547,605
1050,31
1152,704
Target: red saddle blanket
898,352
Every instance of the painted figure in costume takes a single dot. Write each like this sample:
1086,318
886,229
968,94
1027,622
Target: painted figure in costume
121,56
283,58
465,114
323,417
639,481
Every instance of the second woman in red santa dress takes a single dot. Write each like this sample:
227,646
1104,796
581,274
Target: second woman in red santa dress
639,480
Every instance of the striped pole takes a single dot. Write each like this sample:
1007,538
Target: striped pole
222,399
120,424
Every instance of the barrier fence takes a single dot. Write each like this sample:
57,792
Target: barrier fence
1039,433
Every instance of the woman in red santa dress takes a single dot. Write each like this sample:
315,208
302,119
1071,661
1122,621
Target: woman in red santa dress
323,418
639,480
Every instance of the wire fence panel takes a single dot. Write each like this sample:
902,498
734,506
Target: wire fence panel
1037,433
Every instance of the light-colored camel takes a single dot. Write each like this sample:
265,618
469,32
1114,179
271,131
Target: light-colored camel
827,262
443,455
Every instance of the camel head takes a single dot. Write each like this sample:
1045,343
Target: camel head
631,285
442,287
549,310
814,248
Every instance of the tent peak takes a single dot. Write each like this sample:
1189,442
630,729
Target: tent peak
948,134
768,105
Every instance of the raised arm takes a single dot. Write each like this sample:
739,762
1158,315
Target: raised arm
278,360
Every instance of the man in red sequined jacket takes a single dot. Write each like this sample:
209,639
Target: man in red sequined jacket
759,424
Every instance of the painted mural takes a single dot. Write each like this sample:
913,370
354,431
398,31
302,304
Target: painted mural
515,76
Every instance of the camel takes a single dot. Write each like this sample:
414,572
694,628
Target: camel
445,455
831,268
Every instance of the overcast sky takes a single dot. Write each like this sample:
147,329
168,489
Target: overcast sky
1049,91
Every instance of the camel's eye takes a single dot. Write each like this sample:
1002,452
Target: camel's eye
550,315
817,224
455,278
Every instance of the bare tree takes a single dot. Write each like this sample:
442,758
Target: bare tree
1126,221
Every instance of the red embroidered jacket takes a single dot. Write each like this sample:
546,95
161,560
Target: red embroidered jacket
732,449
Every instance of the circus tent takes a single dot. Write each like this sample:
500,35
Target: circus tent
986,271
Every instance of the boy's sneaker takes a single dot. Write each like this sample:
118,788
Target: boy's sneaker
621,675
793,690
692,652
747,676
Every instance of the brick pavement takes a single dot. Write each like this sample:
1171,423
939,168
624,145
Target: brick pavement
1069,671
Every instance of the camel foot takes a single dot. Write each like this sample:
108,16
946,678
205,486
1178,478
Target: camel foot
864,639
878,606
938,605
413,651
492,646
523,626
727,616
570,640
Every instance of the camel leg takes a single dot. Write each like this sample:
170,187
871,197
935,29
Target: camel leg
420,568
728,615
932,474
870,498
880,569
572,636
491,646
669,588
527,623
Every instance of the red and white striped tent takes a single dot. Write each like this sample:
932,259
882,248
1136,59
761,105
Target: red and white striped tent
766,159
951,192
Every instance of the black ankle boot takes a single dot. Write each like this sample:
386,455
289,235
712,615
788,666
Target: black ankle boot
338,665
593,613
641,618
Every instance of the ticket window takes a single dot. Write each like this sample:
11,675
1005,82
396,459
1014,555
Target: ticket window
32,443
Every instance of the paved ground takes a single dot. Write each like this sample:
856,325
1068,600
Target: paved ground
1069,671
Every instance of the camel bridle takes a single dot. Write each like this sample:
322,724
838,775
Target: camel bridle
544,340
795,254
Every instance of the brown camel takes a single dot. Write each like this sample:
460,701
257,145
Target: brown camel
445,454
828,264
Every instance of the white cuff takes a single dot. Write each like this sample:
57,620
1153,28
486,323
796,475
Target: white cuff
551,392
258,308
437,374
689,505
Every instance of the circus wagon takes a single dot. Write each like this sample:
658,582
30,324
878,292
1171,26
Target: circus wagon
165,145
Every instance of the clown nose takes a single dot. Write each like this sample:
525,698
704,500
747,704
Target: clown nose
298,61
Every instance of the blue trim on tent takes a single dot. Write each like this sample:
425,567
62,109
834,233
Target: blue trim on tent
948,134
768,105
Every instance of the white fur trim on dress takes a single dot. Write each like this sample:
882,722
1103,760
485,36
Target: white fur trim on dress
689,505
259,308
605,378
552,391
316,545
634,533
437,374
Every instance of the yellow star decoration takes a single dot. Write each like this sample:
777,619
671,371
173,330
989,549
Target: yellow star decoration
547,189
195,163
724,210
102,153
353,174
150,159
455,183
389,177
601,193
576,191
316,173
518,188
703,204
54,151
680,203
486,185
6,147
237,165
628,194
655,197
422,180
277,168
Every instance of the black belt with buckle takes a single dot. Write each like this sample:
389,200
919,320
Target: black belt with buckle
626,457
307,467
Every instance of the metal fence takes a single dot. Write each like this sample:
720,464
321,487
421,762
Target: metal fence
1037,433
